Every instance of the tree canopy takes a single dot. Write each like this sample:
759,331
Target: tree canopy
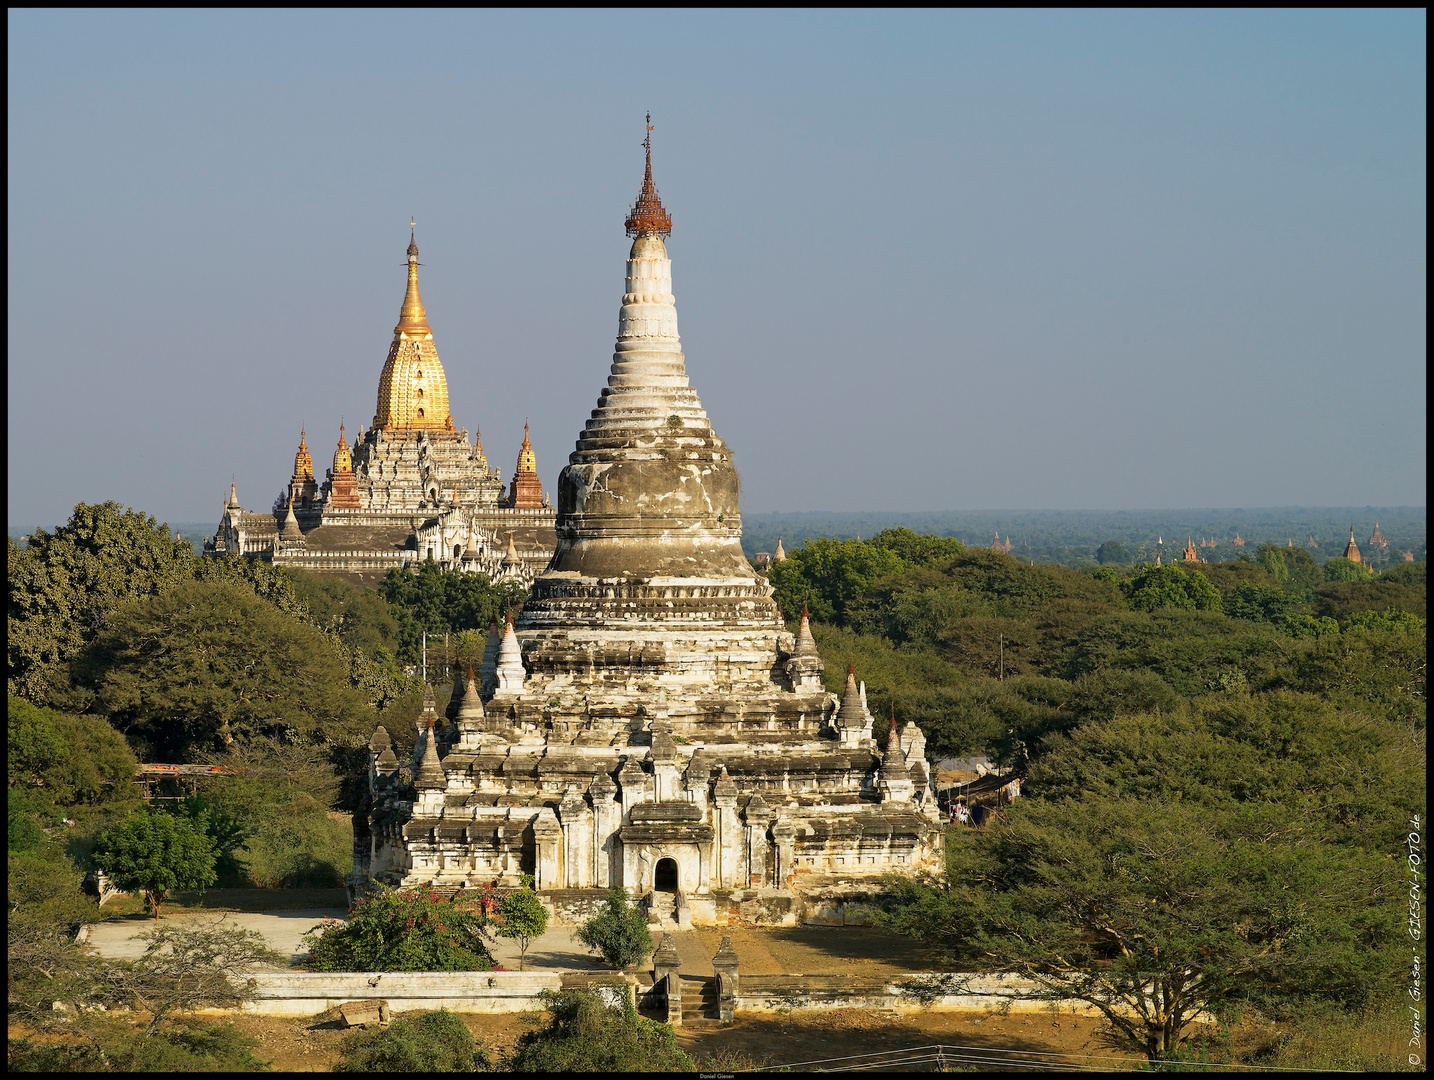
1153,911
204,663
64,585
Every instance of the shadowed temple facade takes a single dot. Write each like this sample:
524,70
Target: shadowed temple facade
648,721
412,487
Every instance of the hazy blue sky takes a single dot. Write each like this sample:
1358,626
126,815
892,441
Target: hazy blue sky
923,260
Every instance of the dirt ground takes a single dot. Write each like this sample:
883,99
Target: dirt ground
125,906
820,950
752,1040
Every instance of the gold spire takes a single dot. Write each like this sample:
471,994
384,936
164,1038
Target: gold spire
647,217
527,462
303,463
526,490
413,390
343,462
412,318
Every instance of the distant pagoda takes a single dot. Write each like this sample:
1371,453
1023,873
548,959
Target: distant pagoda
410,488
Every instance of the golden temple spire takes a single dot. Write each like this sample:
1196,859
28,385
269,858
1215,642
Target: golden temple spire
526,490
412,317
527,462
648,217
343,460
303,463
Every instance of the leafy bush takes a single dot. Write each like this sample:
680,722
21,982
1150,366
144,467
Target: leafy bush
188,1046
1388,619
226,835
44,888
181,969
618,931
406,930
428,1042
582,1034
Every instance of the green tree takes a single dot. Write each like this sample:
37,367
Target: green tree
1370,669
917,549
226,835
69,761
1341,599
207,662
1342,569
1273,560
440,601
1259,603
154,852
264,579
426,1042
64,585
1152,911
618,932
1170,586
1113,552
1194,652
1388,619
582,1034
406,930
1352,779
836,571
522,917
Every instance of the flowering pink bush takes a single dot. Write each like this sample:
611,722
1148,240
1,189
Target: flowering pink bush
406,930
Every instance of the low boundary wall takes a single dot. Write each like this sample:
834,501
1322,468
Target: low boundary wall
307,993
761,993
310,993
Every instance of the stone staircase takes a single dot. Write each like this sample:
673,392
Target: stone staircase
699,998
662,909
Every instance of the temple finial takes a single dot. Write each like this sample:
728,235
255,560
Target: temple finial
413,238
412,316
647,216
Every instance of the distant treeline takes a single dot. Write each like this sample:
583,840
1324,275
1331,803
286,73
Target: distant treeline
1070,537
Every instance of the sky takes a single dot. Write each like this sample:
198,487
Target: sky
922,260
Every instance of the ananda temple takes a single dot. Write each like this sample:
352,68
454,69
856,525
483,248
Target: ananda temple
412,487
648,721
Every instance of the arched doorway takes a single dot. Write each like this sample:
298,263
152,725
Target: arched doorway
664,878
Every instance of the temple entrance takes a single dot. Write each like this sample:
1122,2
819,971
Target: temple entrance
664,879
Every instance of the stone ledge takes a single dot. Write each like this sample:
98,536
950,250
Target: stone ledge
309,993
